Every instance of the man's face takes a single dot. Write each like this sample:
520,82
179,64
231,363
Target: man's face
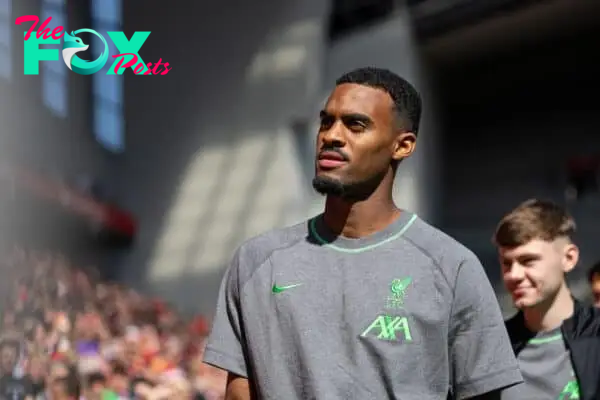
8,358
357,141
596,289
119,383
95,391
57,372
534,272
59,391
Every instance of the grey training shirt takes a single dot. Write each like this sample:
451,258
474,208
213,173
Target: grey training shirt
406,313
545,363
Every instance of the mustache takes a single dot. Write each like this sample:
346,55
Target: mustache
331,149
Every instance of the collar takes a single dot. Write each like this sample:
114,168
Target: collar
572,327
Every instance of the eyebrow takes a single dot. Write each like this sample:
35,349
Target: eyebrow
352,116
529,255
520,257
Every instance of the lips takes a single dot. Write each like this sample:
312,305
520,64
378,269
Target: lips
331,159
331,155
520,292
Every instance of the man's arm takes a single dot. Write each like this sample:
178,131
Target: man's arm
226,348
238,388
482,360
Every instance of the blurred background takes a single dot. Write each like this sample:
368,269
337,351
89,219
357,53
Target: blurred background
155,180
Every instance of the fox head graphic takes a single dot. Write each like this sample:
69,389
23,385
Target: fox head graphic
72,45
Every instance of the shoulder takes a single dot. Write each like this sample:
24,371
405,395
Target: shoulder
585,321
595,317
263,245
443,250
254,252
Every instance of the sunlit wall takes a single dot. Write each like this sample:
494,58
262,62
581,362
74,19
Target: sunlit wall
210,157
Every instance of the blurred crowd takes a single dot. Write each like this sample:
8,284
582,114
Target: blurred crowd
67,335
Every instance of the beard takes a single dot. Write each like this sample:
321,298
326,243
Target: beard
351,191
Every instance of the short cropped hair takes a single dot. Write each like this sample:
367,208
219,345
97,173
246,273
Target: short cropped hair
70,385
534,219
407,101
10,343
94,378
594,272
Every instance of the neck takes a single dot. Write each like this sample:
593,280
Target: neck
550,314
361,218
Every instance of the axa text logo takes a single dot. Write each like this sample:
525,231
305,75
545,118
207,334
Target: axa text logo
128,50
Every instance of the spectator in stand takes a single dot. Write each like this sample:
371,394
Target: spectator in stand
69,336
118,381
96,387
594,279
13,386
66,388
37,366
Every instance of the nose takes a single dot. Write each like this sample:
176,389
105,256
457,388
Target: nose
334,136
514,273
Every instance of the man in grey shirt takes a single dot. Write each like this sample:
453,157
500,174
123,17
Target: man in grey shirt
555,337
365,301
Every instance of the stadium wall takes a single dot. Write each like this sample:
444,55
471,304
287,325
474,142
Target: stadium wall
211,159
36,138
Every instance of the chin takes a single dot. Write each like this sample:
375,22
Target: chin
327,185
328,176
526,302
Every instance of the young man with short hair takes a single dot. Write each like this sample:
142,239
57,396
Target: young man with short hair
555,337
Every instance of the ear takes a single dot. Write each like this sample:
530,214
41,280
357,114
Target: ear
404,145
570,257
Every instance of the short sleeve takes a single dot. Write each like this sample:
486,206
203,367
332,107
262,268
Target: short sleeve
482,359
225,348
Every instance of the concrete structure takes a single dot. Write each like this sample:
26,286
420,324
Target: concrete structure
34,136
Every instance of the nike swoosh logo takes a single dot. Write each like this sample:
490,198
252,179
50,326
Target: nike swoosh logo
279,289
